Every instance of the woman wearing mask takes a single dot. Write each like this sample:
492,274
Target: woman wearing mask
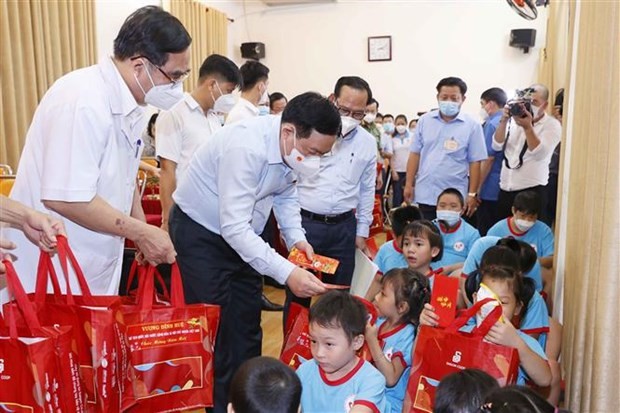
401,141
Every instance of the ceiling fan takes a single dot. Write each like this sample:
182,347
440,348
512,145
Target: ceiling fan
527,8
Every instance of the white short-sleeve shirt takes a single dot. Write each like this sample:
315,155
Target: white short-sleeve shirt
84,140
244,109
181,130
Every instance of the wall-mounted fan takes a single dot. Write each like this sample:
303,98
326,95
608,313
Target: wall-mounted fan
524,8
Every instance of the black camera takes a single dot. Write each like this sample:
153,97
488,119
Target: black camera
521,102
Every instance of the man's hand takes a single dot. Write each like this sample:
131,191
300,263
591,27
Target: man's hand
5,244
360,243
155,245
304,284
525,120
305,247
408,194
41,230
395,176
471,206
379,181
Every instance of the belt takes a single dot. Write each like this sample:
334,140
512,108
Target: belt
327,219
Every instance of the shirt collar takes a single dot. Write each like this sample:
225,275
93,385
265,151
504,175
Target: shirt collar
122,101
274,153
351,134
460,117
249,105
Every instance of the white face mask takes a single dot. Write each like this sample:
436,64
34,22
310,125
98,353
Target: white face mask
306,166
523,225
264,98
411,130
450,217
535,111
401,129
370,117
161,96
348,124
224,103
483,115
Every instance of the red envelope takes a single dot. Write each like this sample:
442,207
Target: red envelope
319,263
444,298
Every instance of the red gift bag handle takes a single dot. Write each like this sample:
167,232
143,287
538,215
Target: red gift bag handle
46,268
23,304
486,324
66,255
141,270
146,293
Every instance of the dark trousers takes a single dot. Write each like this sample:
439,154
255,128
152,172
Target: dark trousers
550,208
331,240
214,273
486,216
397,189
428,211
506,199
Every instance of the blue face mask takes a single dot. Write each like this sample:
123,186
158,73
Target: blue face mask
449,108
388,127
263,110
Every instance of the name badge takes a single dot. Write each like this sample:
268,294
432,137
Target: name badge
451,145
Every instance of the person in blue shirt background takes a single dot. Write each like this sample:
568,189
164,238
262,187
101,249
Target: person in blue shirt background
446,152
458,236
492,102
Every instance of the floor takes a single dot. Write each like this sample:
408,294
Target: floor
272,324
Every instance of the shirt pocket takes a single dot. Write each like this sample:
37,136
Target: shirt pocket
455,149
354,170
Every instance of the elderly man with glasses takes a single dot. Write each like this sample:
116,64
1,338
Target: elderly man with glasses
337,201
83,149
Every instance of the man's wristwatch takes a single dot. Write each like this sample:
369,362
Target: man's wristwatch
473,194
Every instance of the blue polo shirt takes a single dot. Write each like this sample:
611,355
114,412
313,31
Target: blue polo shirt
490,188
446,149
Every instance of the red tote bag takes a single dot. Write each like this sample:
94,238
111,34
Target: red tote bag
38,367
439,352
171,348
296,343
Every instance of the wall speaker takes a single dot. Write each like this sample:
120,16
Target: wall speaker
253,50
523,39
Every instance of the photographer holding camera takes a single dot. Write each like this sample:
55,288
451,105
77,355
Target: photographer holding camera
528,137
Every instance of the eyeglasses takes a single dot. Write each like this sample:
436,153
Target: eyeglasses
357,115
173,79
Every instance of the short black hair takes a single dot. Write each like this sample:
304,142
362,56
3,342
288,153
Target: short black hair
311,111
452,81
528,203
274,97
413,120
153,33
388,115
463,391
218,65
403,216
452,191
525,252
515,399
265,385
379,115
373,100
401,116
339,309
354,82
410,287
426,229
496,95
149,127
253,72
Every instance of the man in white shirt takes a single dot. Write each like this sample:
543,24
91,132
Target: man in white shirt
254,97
221,207
83,148
190,123
337,201
528,145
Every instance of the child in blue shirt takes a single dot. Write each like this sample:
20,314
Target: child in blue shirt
458,236
336,379
500,273
399,303
423,245
390,255
525,226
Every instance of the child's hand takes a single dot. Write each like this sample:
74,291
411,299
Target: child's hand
372,331
504,334
428,316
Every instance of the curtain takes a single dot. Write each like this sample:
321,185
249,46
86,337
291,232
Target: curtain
553,66
209,30
591,209
40,41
